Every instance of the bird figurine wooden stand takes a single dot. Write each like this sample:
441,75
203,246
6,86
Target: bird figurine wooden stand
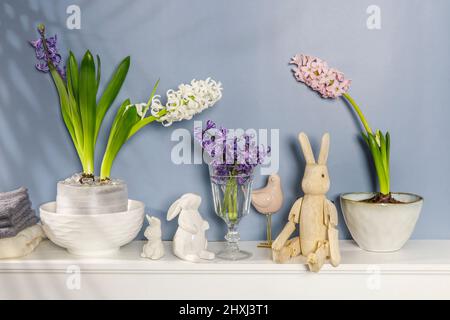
267,201
316,215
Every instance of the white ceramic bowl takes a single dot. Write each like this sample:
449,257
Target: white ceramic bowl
93,234
381,227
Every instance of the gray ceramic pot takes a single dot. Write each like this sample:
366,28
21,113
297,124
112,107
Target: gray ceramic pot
381,227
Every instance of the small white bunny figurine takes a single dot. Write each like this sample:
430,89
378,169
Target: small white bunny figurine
154,248
189,242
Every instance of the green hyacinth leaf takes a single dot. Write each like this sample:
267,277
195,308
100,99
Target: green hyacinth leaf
126,117
152,94
388,165
72,75
383,153
117,119
99,67
111,91
376,155
72,85
364,136
87,102
64,103
147,120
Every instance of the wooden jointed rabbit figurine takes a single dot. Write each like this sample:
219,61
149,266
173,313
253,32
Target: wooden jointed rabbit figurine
317,216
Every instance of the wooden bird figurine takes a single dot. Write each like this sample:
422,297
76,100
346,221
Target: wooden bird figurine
267,201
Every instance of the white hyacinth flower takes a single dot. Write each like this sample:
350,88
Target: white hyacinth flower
187,101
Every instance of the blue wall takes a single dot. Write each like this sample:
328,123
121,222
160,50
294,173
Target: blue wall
400,77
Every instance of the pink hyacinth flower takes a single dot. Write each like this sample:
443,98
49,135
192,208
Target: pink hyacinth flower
315,73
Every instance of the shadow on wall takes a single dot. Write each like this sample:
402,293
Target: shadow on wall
22,106
26,154
31,153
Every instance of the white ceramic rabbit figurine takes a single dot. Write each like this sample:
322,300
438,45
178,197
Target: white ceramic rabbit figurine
154,248
189,242
316,215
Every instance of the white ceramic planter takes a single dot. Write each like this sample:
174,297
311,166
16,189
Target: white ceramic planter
381,227
94,234
75,198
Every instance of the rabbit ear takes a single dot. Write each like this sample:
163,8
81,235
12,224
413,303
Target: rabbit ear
174,210
306,148
149,218
324,148
155,221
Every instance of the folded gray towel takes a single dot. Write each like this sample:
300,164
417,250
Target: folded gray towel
15,212
9,232
11,213
13,194
19,216
14,200
10,209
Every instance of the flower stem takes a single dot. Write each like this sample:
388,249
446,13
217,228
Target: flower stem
142,123
229,209
359,112
379,149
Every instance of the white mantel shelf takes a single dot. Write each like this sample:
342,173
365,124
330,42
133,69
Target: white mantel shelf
421,270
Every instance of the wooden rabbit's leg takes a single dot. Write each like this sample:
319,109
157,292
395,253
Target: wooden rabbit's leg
291,249
282,249
317,258
294,218
280,241
294,246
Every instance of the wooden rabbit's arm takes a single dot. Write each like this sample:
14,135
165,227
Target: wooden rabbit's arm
289,228
330,213
294,214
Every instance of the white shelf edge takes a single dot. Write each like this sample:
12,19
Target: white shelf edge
49,258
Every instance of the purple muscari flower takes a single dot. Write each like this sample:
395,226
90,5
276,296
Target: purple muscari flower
47,53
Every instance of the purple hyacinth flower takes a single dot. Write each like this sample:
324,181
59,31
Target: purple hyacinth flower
210,125
231,156
47,53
